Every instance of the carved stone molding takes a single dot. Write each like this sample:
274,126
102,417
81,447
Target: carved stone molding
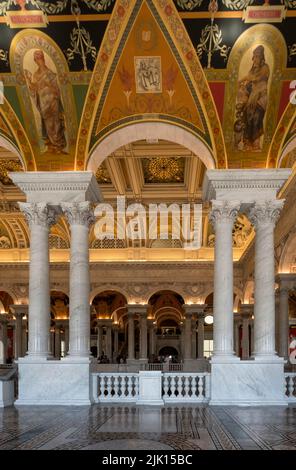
38,213
223,211
78,213
266,212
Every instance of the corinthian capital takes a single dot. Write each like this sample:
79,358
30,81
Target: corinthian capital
38,213
265,212
224,211
78,213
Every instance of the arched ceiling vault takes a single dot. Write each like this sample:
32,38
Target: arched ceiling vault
117,95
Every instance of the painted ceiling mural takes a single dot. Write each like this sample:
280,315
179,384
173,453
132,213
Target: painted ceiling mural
74,71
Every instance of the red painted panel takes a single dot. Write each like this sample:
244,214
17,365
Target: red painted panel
218,91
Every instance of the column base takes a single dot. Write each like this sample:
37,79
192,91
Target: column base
247,383
63,382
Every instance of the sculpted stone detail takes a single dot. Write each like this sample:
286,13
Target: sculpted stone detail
38,213
266,212
78,213
4,242
223,210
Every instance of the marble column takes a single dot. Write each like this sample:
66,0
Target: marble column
57,341
143,335
66,337
200,335
237,325
40,216
246,311
277,320
283,332
187,333
109,342
264,215
131,336
222,217
99,339
3,338
115,328
19,311
193,337
182,328
80,217
151,339
24,338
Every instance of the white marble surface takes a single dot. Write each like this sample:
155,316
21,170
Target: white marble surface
150,388
264,216
65,382
222,217
247,383
39,217
283,324
79,216
251,185
6,393
54,187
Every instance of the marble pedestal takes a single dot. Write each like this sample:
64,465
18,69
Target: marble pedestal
247,383
150,388
6,393
50,382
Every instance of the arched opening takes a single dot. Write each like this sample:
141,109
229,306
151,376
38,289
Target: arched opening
59,323
109,326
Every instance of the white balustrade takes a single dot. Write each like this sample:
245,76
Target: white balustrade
115,387
176,387
189,387
290,386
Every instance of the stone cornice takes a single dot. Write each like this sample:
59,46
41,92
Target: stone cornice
58,186
247,185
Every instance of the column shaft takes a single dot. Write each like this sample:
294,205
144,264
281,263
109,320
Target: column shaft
284,323
264,216
187,337
201,336
80,217
99,341
143,336
193,339
222,217
131,337
109,343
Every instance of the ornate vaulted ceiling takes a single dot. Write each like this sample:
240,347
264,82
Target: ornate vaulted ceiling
76,72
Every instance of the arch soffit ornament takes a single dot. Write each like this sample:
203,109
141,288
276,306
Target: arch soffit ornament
109,287
283,143
164,287
288,257
19,144
10,292
117,29
146,131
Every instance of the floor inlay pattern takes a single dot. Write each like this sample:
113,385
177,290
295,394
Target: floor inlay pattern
102,427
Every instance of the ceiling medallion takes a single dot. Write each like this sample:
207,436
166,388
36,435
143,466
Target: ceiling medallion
164,170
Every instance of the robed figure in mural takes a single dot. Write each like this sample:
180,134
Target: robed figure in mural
252,103
45,91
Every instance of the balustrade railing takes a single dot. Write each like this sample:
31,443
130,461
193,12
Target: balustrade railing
290,386
115,387
163,366
189,387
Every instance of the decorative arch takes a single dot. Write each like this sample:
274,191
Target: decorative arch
164,288
272,39
145,131
161,312
13,137
284,139
100,290
287,263
11,294
122,20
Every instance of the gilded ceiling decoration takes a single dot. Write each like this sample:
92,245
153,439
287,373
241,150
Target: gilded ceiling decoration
112,63
5,167
241,233
102,175
163,170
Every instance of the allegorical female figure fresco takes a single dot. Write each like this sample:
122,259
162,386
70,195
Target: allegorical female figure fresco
251,103
45,91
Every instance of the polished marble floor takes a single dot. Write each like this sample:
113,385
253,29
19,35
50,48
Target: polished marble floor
102,427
